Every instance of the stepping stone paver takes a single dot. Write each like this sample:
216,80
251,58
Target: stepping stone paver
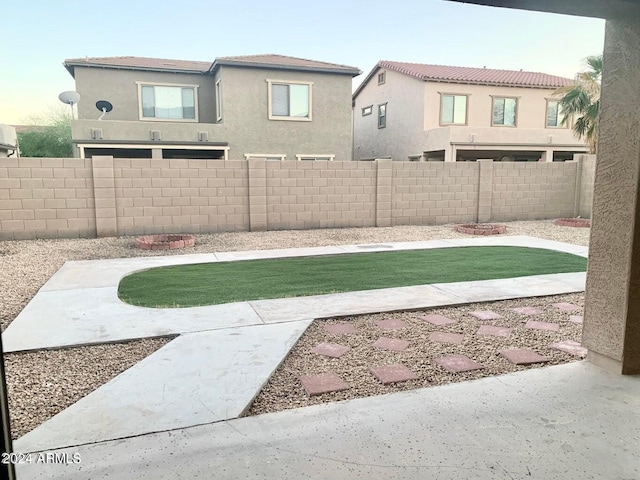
567,307
494,331
394,344
323,383
458,363
390,324
523,356
333,350
393,373
445,337
526,310
485,315
341,328
570,346
437,319
551,327
576,318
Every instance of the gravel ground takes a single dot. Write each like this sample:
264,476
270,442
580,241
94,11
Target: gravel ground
26,265
284,390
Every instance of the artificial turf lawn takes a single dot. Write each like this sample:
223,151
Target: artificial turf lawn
224,282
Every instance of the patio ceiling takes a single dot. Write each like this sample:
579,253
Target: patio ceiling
584,8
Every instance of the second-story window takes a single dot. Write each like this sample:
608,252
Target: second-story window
218,101
290,100
453,110
168,102
554,114
382,115
504,112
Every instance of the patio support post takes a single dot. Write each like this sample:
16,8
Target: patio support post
612,304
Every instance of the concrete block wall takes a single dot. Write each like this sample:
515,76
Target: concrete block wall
434,193
46,198
533,191
304,195
66,198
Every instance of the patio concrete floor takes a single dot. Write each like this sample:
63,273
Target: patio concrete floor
224,352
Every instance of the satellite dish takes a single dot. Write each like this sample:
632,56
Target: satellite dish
103,106
70,98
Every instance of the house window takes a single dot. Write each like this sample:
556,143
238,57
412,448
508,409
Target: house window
218,101
290,100
313,158
554,114
382,77
367,110
272,157
382,115
453,109
504,111
168,102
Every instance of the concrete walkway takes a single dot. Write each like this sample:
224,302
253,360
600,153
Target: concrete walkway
569,422
225,353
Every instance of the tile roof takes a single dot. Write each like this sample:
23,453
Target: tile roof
479,76
285,62
139,63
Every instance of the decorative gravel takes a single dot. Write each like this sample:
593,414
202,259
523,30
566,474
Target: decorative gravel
26,265
284,390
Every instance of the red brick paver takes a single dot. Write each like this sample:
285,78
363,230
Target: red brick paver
567,307
333,350
457,363
445,337
485,315
323,383
392,374
526,310
390,324
437,319
576,318
341,328
552,327
570,346
494,331
394,344
523,356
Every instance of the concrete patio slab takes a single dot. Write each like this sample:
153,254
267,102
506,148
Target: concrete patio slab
278,253
196,378
441,432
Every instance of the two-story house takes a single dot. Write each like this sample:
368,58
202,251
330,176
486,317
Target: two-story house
270,106
408,111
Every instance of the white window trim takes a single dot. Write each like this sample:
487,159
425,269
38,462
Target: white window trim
218,100
158,84
248,156
82,146
315,156
370,108
289,82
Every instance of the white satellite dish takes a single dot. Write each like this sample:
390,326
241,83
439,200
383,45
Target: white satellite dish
70,98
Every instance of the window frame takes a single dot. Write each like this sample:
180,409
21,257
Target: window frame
493,103
270,83
370,108
267,156
324,157
382,77
466,110
546,117
218,90
384,116
141,116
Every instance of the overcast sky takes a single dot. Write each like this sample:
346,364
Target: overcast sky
38,35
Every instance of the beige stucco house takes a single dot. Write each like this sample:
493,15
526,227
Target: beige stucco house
408,111
232,108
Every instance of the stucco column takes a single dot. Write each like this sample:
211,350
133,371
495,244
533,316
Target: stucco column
485,190
612,305
104,190
257,194
384,178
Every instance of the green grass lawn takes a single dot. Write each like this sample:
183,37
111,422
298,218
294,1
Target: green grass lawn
224,282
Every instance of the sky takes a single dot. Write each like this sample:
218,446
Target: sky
39,34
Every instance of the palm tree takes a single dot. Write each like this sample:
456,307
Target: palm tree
582,102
